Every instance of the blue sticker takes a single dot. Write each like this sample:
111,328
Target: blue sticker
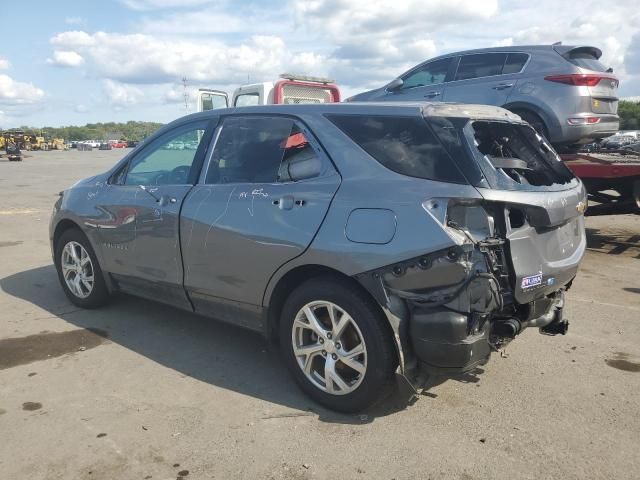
531,281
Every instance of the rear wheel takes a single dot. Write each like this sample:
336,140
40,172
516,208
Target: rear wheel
336,344
79,271
534,120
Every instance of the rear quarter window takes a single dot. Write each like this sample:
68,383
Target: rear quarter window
405,145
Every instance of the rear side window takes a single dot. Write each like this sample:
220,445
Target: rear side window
480,65
262,150
514,63
402,144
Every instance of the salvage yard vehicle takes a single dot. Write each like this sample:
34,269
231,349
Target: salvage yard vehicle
365,238
563,91
289,89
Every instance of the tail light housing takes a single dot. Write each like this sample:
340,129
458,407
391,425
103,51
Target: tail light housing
581,79
461,217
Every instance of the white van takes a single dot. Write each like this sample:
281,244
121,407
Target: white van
288,89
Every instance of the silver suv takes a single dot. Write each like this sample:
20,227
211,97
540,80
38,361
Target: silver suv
563,91
363,237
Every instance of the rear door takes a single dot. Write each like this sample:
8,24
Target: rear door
260,202
485,78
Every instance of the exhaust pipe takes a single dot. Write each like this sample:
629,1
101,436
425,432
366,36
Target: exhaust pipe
506,328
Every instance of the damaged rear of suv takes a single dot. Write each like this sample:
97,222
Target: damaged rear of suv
365,237
475,233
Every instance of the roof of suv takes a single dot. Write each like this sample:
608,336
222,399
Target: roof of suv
427,109
558,48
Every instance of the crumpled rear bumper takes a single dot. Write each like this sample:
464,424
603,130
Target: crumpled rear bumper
451,308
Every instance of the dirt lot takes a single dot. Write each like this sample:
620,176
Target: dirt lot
139,390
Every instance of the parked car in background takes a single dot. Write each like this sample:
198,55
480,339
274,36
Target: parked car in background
104,146
364,237
118,143
618,141
563,91
90,143
631,148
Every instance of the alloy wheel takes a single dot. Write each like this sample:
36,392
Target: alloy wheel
329,347
77,269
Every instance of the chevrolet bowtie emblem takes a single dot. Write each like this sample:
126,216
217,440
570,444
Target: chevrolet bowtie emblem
581,207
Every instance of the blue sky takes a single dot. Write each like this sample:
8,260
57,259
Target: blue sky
73,62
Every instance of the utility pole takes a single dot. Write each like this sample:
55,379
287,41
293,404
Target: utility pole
185,93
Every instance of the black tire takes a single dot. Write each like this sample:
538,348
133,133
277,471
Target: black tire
99,294
534,120
381,358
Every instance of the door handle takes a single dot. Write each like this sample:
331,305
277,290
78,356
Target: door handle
287,202
503,86
165,200
284,203
432,94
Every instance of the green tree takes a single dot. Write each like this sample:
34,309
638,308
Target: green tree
131,130
629,115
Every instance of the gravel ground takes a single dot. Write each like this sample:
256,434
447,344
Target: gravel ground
139,390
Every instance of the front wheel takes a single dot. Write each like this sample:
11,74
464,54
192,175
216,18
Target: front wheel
79,271
336,344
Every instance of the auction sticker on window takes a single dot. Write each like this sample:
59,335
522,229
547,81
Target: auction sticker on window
531,281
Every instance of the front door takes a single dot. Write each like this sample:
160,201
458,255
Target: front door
425,83
261,201
139,225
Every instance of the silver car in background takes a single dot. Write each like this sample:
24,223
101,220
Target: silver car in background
563,91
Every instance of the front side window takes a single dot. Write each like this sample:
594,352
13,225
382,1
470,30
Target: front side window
480,65
167,160
247,100
262,150
433,73
405,145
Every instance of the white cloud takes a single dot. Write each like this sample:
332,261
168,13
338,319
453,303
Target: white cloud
121,96
81,108
77,38
65,58
138,58
4,63
13,92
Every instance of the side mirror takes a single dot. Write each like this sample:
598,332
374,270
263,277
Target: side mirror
395,84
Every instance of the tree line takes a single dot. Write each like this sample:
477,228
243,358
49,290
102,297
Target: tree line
629,115
130,130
